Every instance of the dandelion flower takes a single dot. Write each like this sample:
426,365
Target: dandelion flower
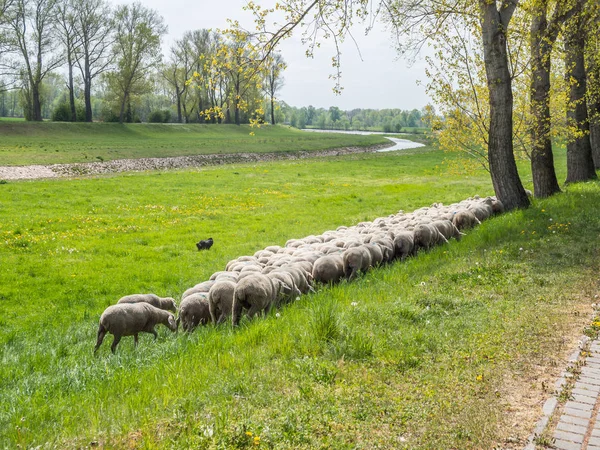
249,433
479,377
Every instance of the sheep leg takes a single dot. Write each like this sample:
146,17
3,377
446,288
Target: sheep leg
221,318
253,311
236,312
101,334
116,340
153,331
135,340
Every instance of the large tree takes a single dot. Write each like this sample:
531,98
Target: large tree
416,21
580,163
138,32
66,23
34,37
94,29
593,80
178,71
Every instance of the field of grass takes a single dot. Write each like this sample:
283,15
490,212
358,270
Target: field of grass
412,355
23,143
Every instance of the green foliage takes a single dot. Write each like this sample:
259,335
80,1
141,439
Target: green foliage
62,113
160,116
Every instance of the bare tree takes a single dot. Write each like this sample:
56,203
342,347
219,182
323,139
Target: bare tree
94,30
67,32
274,80
179,71
33,36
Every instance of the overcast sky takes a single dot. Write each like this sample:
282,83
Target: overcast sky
377,81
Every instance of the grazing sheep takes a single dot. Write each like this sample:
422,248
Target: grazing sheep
193,311
166,303
427,236
328,269
387,248
465,219
376,254
404,244
356,259
448,229
129,319
255,293
220,300
289,290
200,287
205,244
482,211
302,278
497,206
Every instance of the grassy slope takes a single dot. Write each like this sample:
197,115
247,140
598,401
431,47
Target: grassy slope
420,361
23,143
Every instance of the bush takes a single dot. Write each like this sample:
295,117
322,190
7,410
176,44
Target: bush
62,113
160,116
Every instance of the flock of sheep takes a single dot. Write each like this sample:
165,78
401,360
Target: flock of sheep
278,275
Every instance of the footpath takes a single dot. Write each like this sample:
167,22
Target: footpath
571,418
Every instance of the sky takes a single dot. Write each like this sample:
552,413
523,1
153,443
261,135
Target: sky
378,80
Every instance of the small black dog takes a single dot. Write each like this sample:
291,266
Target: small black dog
205,244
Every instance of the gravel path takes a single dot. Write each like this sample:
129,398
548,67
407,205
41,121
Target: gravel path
134,165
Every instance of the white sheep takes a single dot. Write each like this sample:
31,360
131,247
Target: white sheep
129,319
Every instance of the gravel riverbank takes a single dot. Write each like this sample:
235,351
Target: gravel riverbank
179,162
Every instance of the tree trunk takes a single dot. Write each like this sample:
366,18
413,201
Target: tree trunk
36,104
595,132
272,110
122,113
580,165
503,167
71,92
545,182
237,114
594,109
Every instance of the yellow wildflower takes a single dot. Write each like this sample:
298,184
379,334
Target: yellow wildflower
249,433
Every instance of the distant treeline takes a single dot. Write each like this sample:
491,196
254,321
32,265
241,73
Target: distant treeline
387,120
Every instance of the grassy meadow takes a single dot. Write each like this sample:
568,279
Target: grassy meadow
437,352
23,143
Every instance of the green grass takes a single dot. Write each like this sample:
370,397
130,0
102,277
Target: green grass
23,143
412,355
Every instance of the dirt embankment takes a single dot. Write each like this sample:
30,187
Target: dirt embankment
178,162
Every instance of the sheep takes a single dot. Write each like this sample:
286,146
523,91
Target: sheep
193,311
448,229
497,206
256,293
376,254
200,287
427,236
404,244
220,300
129,319
465,219
387,247
328,269
166,303
356,259
289,289
482,211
